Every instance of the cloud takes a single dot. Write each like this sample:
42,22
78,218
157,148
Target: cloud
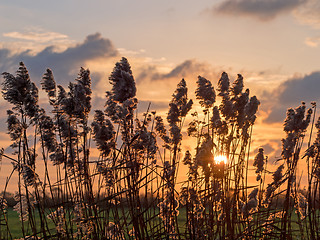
158,82
154,105
127,52
36,36
66,64
259,9
308,13
312,41
291,93
185,68
155,81
35,39
268,149
188,68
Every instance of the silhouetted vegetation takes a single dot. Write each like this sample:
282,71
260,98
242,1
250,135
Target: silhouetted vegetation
131,190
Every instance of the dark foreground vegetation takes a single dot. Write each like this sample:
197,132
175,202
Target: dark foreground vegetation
131,190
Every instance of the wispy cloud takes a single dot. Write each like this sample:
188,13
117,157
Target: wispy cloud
37,36
309,13
259,9
312,41
35,39
127,52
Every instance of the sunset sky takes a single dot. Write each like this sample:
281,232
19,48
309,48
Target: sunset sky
274,44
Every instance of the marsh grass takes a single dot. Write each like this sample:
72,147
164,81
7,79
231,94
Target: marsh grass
131,190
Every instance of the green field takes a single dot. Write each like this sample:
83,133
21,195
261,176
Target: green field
15,226
16,230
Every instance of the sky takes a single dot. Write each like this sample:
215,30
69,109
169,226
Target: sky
274,44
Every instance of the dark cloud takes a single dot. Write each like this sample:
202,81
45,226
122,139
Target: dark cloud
147,73
268,149
304,88
277,114
64,64
187,68
291,93
154,106
259,9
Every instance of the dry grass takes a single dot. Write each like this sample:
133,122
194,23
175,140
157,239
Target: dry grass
131,190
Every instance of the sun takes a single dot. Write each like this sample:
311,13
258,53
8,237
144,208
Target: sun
220,159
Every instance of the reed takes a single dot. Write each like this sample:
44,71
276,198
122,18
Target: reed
130,191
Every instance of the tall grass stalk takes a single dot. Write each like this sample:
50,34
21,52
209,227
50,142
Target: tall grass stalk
130,189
